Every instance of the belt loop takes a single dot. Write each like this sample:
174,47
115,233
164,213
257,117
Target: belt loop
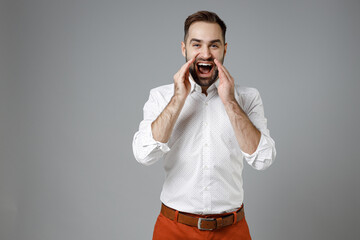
176,216
219,223
235,217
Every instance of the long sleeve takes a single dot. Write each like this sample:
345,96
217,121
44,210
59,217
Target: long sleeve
145,148
265,153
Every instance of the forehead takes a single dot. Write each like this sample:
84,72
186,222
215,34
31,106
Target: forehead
205,31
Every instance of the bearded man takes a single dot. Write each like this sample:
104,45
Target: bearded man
202,126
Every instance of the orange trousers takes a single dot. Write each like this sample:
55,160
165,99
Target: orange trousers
167,229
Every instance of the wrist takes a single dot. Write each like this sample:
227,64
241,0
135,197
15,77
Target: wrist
178,100
229,102
179,97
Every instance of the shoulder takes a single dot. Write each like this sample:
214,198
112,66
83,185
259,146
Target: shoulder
164,89
162,93
249,97
247,91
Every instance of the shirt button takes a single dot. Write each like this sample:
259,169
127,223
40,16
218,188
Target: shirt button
206,104
206,167
206,145
206,188
205,124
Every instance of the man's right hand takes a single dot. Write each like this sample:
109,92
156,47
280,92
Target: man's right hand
181,80
163,125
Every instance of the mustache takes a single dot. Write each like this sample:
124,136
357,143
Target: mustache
205,60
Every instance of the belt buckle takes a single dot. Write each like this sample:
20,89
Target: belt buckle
205,219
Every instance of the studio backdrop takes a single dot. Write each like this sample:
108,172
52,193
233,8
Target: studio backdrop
75,75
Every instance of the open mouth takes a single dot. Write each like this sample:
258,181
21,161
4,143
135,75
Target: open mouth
205,68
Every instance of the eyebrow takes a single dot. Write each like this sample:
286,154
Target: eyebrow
198,40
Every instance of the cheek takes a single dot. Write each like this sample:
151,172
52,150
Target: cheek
220,56
193,52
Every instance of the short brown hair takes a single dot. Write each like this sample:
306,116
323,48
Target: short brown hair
203,16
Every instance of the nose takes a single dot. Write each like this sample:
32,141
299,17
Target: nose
205,53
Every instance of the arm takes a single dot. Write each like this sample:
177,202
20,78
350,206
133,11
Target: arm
247,135
150,142
250,127
162,127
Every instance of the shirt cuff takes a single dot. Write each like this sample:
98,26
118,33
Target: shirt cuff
158,145
262,155
146,149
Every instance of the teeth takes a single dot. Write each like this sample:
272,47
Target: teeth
204,64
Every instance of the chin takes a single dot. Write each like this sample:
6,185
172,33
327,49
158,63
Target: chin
206,82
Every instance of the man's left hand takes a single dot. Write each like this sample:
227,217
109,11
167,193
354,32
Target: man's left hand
226,84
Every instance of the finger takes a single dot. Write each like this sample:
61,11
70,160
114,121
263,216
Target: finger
222,69
187,65
228,74
222,74
185,68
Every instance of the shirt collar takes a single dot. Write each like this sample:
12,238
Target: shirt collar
196,87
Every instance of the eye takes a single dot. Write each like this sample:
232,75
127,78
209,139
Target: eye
196,45
214,46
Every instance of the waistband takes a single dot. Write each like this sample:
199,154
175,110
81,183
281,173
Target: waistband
204,222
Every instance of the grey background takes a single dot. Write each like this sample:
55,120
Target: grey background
76,74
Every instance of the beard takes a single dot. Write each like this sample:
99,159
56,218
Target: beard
204,81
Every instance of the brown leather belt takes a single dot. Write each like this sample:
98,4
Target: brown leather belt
209,222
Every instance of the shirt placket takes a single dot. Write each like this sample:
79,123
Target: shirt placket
206,158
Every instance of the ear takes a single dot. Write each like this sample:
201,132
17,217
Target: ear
183,48
225,49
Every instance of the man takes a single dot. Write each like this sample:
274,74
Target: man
202,126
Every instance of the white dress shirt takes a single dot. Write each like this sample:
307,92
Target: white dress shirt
203,161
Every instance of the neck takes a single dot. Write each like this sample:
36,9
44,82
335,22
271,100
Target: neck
204,89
